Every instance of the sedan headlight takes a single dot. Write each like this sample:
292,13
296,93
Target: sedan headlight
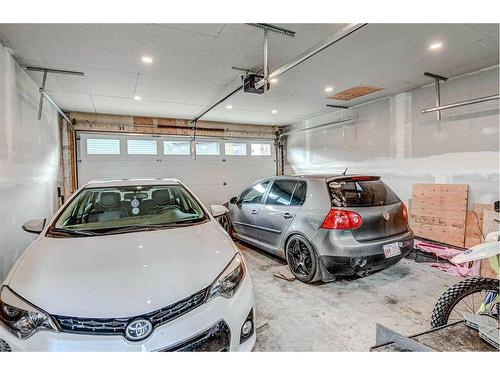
22,318
228,281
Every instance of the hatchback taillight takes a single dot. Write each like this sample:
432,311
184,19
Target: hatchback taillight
405,212
342,219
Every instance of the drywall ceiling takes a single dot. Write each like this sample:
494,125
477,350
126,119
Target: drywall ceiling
192,63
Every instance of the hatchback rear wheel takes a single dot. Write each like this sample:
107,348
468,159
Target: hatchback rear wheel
302,259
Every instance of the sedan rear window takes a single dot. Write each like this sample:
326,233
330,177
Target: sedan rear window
360,192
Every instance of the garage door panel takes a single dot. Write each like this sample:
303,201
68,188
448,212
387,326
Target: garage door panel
215,179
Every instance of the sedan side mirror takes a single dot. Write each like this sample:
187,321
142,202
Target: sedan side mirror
35,226
233,200
218,210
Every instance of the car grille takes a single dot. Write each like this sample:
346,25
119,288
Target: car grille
215,339
116,326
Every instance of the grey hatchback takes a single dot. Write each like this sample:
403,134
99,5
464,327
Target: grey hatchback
324,226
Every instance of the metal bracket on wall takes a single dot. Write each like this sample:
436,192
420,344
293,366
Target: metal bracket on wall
43,93
437,80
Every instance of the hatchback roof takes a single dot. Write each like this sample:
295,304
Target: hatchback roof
329,176
133,181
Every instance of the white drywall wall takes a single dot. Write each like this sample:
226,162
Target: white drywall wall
393,139
29,159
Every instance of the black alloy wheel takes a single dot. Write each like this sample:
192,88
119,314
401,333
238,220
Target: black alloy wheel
302,259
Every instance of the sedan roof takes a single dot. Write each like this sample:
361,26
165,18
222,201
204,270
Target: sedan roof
133,181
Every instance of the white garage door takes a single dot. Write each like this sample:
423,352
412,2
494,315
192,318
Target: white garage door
215,169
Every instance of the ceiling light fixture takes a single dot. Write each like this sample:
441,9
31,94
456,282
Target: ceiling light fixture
229,106
436,45
274,111
329,89
137,97
147,59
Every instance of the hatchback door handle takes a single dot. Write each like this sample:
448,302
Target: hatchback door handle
254,212
287,216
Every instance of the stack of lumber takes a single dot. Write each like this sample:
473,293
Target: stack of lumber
438,212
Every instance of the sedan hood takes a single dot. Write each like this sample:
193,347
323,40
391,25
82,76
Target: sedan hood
121,275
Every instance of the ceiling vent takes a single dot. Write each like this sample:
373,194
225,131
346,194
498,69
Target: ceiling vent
354,92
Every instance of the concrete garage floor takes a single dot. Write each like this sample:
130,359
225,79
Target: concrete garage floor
340,316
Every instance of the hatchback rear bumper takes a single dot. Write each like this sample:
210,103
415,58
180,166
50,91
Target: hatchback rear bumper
345,266
346,256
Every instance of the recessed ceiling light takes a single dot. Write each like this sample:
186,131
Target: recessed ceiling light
229,106
147,59
274,111
436,45
328,89
137,97
274,80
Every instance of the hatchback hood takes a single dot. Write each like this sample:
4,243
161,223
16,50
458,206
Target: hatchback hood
121,275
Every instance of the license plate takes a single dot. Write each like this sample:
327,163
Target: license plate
392,250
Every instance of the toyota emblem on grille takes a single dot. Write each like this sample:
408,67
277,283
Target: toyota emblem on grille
138,329
386,216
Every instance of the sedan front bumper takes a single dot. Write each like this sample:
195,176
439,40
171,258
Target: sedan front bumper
215,325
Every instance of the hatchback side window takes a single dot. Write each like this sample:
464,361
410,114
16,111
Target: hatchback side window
254,194
299,195
281,192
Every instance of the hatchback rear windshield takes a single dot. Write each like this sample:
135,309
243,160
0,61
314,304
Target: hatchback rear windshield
360,192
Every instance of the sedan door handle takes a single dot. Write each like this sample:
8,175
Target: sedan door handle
254,212
287,216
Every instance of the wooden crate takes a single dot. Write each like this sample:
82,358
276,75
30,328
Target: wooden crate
438,212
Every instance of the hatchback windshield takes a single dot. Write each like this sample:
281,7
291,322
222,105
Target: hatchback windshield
361,192
126,208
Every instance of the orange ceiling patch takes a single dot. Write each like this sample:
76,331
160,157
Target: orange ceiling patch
355,92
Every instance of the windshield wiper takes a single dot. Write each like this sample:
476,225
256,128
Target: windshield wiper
73,232
149,227
189,221
128,228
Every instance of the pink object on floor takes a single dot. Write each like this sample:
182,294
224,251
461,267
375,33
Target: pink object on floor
444,252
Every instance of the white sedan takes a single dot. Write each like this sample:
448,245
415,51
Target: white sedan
129,265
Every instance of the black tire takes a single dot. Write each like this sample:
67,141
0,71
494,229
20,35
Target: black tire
449,299
307,273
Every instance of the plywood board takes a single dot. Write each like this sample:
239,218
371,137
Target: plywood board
473,229
489,223
438,212
479,208
354,92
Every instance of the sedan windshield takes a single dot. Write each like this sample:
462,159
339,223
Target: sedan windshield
123,209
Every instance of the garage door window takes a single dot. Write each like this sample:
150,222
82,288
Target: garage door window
176,148
103,146
141,147
235,149
207,148
260,149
